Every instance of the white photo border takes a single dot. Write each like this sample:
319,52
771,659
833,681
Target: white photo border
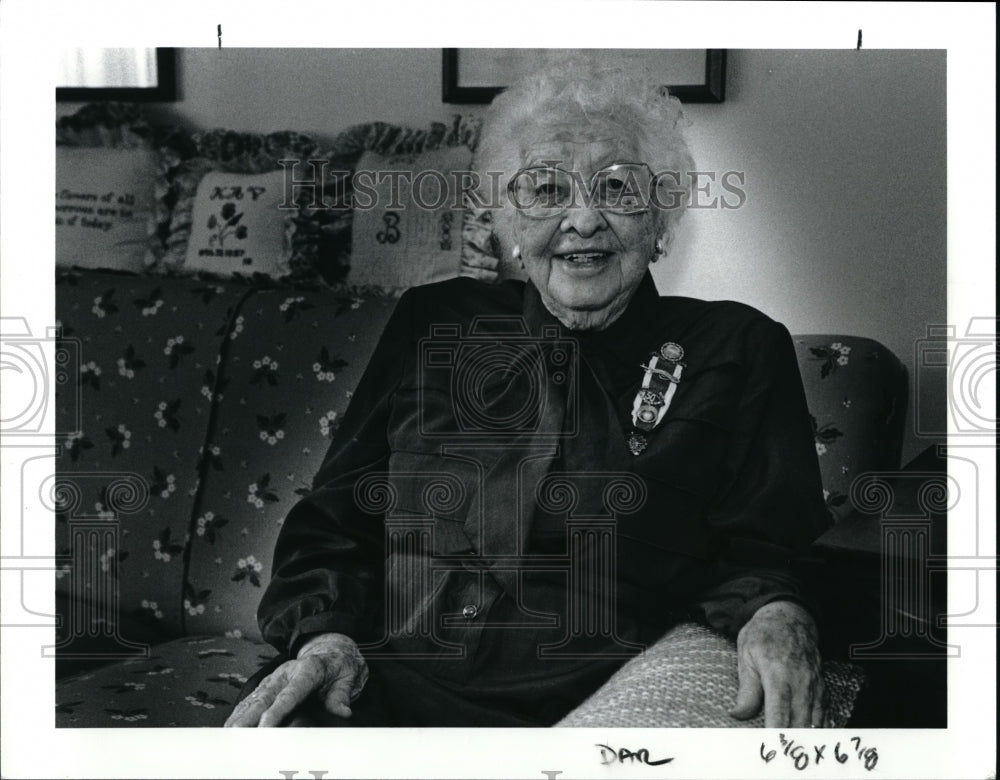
30,33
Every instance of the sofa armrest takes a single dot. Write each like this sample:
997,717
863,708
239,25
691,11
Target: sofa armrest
689,679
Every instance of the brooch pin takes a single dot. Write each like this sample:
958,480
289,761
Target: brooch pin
636,443
662,374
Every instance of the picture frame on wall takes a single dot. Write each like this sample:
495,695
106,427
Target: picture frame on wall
471,76
135,75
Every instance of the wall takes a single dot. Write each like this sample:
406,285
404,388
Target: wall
314,91
844,225
844,228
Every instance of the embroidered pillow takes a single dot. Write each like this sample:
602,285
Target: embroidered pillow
294,245
119,127
104,207
408,210
237,225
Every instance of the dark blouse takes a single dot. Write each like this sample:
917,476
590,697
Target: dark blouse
480,524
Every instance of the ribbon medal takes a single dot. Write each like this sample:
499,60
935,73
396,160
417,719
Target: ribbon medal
659,383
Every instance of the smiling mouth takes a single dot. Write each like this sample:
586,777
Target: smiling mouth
583,258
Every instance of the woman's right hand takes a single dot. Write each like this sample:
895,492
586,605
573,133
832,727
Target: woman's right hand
328,665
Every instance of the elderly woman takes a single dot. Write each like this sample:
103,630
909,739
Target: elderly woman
535,479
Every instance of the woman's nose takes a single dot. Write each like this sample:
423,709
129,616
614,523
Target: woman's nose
584,220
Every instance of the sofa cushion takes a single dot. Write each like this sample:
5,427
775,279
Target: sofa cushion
689,679
286,382
130,427
185,682
856,390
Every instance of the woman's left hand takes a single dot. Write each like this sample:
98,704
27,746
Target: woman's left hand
779,667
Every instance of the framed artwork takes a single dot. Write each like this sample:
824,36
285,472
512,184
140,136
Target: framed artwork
117,74
477,75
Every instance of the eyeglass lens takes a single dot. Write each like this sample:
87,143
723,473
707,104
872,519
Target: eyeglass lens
543,191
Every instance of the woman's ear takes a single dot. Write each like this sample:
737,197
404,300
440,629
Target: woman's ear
662,244
503,245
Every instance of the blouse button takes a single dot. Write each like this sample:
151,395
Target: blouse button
469,611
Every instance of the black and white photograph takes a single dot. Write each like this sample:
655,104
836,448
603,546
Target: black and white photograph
615,392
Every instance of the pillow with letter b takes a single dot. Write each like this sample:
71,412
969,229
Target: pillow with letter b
408,218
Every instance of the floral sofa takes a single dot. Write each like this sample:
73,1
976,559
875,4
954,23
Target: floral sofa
199,414
193,410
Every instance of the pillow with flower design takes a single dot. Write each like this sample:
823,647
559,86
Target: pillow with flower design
238,225
228,217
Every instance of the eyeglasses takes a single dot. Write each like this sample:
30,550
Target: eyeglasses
545,192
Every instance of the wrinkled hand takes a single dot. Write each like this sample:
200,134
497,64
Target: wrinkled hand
328,665
779,666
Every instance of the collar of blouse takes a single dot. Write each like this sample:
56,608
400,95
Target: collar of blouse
619,348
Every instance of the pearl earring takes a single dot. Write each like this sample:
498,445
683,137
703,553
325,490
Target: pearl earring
516,254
